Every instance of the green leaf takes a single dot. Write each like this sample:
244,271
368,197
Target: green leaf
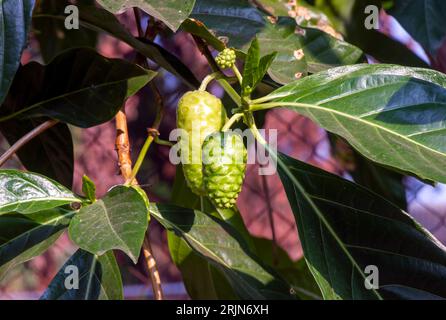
171,12
52,35
15,19
255,67
79,87
100,20
99,279
295,273
238,23
424,20
349,16
117,221
344,228
26,192
38,154
220,244
88,188
24,237
393,115
201,279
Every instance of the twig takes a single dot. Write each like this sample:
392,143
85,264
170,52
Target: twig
25,139
123,144
125,163
207,53
153,270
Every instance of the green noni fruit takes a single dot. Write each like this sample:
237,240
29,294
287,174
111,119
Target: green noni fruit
224,166
199,114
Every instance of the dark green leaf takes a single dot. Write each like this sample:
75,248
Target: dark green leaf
26,192
171,12
97,19
424,20
295,273
349,16
392,115
52,35
99,279
15,19
255,67
117,221
220,244
24,237
50,153
88,188
201,279
79,87
238,22
344,228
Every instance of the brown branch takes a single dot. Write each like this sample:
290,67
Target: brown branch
153,270
123,144
202,46
25,139
125,164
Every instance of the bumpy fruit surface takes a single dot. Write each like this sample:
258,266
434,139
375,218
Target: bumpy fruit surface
199,114
226,58
224,166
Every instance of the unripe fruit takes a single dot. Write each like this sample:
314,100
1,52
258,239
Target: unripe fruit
224,166
226,58
199,114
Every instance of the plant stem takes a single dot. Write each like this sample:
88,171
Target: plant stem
230,91
123,145
153,270
262,99
237,74
208,79
252,126
25,139
231,121
270,105
162,142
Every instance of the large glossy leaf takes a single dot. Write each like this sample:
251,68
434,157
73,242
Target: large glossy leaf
201,279
344,228
295,273
349,17
171,12
117,221
424,20
100,20
379,179
392,115
52,35
300,50
26,192
79,87
220,244
99,279
24,237
50,153
15,19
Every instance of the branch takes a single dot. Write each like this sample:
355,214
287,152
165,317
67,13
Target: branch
25,139
125,164
153,270
207,53
123,144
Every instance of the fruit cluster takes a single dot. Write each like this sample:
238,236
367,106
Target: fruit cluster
226,58
214,162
